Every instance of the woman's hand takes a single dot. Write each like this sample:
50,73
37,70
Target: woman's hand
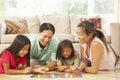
76,70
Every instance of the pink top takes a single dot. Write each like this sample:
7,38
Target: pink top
107,62
8,57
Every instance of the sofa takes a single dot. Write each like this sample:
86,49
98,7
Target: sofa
115,37
65,26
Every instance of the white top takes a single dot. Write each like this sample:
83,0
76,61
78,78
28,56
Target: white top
107,61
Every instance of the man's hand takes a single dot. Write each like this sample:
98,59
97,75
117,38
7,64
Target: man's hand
52,65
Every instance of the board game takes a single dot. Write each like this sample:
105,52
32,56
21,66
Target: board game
56,75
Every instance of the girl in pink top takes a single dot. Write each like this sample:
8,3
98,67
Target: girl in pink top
15,58
95,54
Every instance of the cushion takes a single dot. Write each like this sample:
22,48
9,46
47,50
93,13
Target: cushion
2,27
76,19
16,25
96,21
32,24
61,23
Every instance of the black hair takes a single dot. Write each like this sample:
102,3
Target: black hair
47,26
19,42
63,44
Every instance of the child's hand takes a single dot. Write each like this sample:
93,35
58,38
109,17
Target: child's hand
41,70
36,66
76,70
27,70
20,66
62,68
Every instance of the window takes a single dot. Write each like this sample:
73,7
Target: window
81,7
106,9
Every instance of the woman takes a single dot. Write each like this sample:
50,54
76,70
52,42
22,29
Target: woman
95,54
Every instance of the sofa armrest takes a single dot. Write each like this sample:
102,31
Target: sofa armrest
115,37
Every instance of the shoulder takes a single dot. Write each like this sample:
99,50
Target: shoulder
54,40
34,37
95,45
7,53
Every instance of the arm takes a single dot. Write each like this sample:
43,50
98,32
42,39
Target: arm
61,67
76,63
83,62
20,66
12,71
51,65
97,52
76,60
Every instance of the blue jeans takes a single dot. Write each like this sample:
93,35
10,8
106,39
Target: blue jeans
88,62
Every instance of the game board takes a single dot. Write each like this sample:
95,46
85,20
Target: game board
56,75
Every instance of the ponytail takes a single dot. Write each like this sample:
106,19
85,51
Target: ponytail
101,36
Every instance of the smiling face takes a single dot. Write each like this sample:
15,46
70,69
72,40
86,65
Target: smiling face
45,37
24,50
82,36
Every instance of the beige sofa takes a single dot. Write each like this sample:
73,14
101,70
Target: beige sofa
65,29
115,37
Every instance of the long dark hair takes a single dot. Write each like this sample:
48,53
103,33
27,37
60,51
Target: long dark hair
19,42
89,27
63,44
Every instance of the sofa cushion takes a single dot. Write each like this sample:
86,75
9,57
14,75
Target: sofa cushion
2,27
61,23
76,19
32,24
16,25
115,37
65,36
3,46
96,21
8,39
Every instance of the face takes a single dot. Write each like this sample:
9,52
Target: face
45,37
24,50
83,38
66,52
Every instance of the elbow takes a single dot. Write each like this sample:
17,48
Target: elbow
94,71
8,73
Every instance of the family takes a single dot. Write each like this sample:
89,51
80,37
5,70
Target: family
43,52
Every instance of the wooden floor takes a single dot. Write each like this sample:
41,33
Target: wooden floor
102,75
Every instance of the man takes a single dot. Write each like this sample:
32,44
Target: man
44,46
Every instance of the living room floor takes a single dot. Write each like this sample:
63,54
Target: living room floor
102,75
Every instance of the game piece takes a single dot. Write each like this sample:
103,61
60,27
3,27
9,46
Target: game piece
47,69
70,75
66,75
53,76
